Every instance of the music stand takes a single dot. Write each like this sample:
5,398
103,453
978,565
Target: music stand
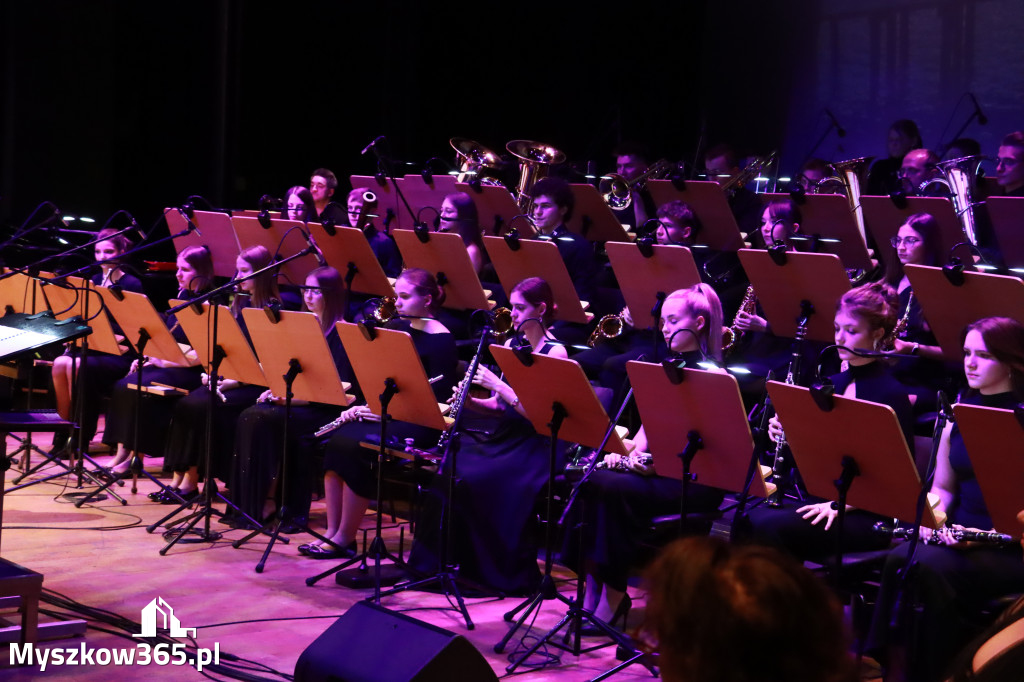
224,351
444,256
496,207
817,279
217,235
538,259
387,199
719,230
282,237
995,439
853,454
20,293
592,218
561,404
950,307
1007,215
146,330
387,358
646,281
827,221
296,346
420,194
883,217
362,272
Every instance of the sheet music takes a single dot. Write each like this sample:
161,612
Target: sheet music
13,339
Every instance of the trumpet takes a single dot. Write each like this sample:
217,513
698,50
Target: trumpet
620,190
608,327
536,158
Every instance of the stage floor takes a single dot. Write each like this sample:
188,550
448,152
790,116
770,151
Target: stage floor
101,556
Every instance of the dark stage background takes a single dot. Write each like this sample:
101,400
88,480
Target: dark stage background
128,105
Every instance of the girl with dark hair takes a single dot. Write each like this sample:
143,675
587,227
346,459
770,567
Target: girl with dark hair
864,317
259,439
102,370
350,480
186,442
298,205
953,581
195,275
459,215
500,473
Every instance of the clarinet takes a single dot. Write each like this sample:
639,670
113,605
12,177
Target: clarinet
779,460
989,537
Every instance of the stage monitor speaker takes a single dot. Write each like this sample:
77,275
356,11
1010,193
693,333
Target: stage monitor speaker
372,644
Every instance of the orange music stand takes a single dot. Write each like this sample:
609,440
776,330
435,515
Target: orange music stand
422,195
20,293
995,439
592,218
828,218
217,235
349,251
719,230
444,256
251,233
496,208
67,303
388,202
883,219
646,281
1007,216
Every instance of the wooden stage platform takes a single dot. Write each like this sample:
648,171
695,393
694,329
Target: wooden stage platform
102,557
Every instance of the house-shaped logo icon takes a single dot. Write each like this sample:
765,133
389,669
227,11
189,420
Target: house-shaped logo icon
158,607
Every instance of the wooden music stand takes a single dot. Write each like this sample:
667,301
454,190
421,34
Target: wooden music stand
883,219
387,201
21,294
538,259
949,308
444,256
645,282
387,359
719,230
592,218
1007,216
298,365
705,405
995,439
217,235
496,208
854,454
829,218
561,404
251,233
70,303
422,195
349,246
818,278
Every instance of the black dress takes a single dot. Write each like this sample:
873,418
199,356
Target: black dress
784,528
154,411
501,467
101,371
356,465
952,584
613,510
259,442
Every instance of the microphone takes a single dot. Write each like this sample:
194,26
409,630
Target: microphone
313,249
840,131
982,118
377,140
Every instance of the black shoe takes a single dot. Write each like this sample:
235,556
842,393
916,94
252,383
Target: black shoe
160,493
185,497
293,526
321,552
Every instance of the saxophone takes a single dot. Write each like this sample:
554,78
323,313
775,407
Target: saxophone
899,331
731,335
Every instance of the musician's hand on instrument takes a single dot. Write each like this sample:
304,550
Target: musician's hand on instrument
636,464
750,323
627,319
903,347
612,461
775,431
486,378
816,512
268,397
943,537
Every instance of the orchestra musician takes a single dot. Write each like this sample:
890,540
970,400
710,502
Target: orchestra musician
259,440
101,370
631,161
1010,164
918,169
195,275
953,581
552,207
864,317
615,507
186,441
500,471
381,244
722,164
298,205
882,178
322,185
459,215
350,478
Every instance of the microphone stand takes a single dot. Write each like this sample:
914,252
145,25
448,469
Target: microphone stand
181,529
387,170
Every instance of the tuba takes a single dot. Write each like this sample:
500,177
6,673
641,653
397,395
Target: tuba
620,190
474,160
536,158
959,177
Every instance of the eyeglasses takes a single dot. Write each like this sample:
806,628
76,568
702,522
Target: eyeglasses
910,242
1007,161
